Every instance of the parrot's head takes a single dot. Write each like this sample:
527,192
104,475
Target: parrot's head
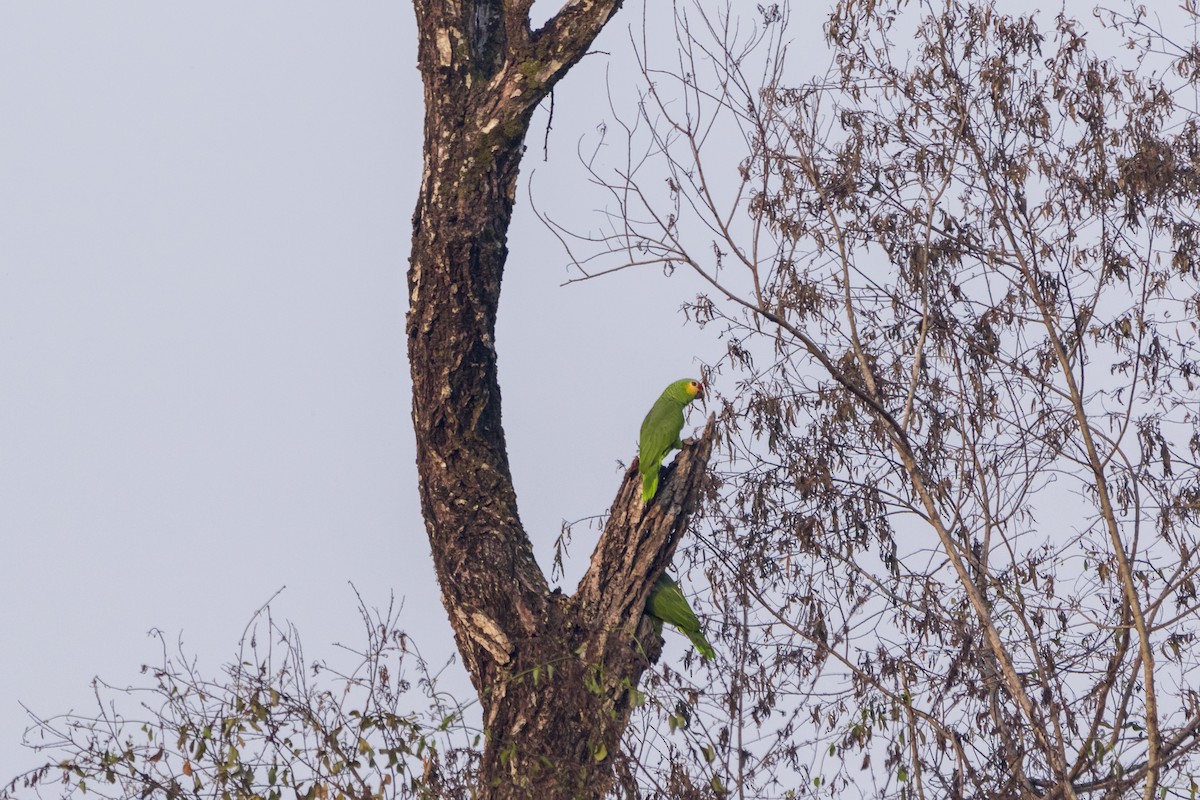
685,391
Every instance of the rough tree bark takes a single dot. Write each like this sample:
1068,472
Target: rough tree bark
556,676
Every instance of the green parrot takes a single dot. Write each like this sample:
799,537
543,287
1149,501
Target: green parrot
661,429
667,604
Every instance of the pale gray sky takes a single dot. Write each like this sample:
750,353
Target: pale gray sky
204,225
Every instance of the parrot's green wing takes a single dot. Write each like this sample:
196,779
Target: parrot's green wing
660,434
667,603
661,429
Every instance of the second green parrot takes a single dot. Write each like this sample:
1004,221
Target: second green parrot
661,429
667,604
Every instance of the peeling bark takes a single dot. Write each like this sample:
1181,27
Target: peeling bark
555,675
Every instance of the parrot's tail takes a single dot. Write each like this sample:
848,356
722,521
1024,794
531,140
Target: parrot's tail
649,485
701,644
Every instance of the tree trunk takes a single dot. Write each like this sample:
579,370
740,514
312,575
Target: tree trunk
556,676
